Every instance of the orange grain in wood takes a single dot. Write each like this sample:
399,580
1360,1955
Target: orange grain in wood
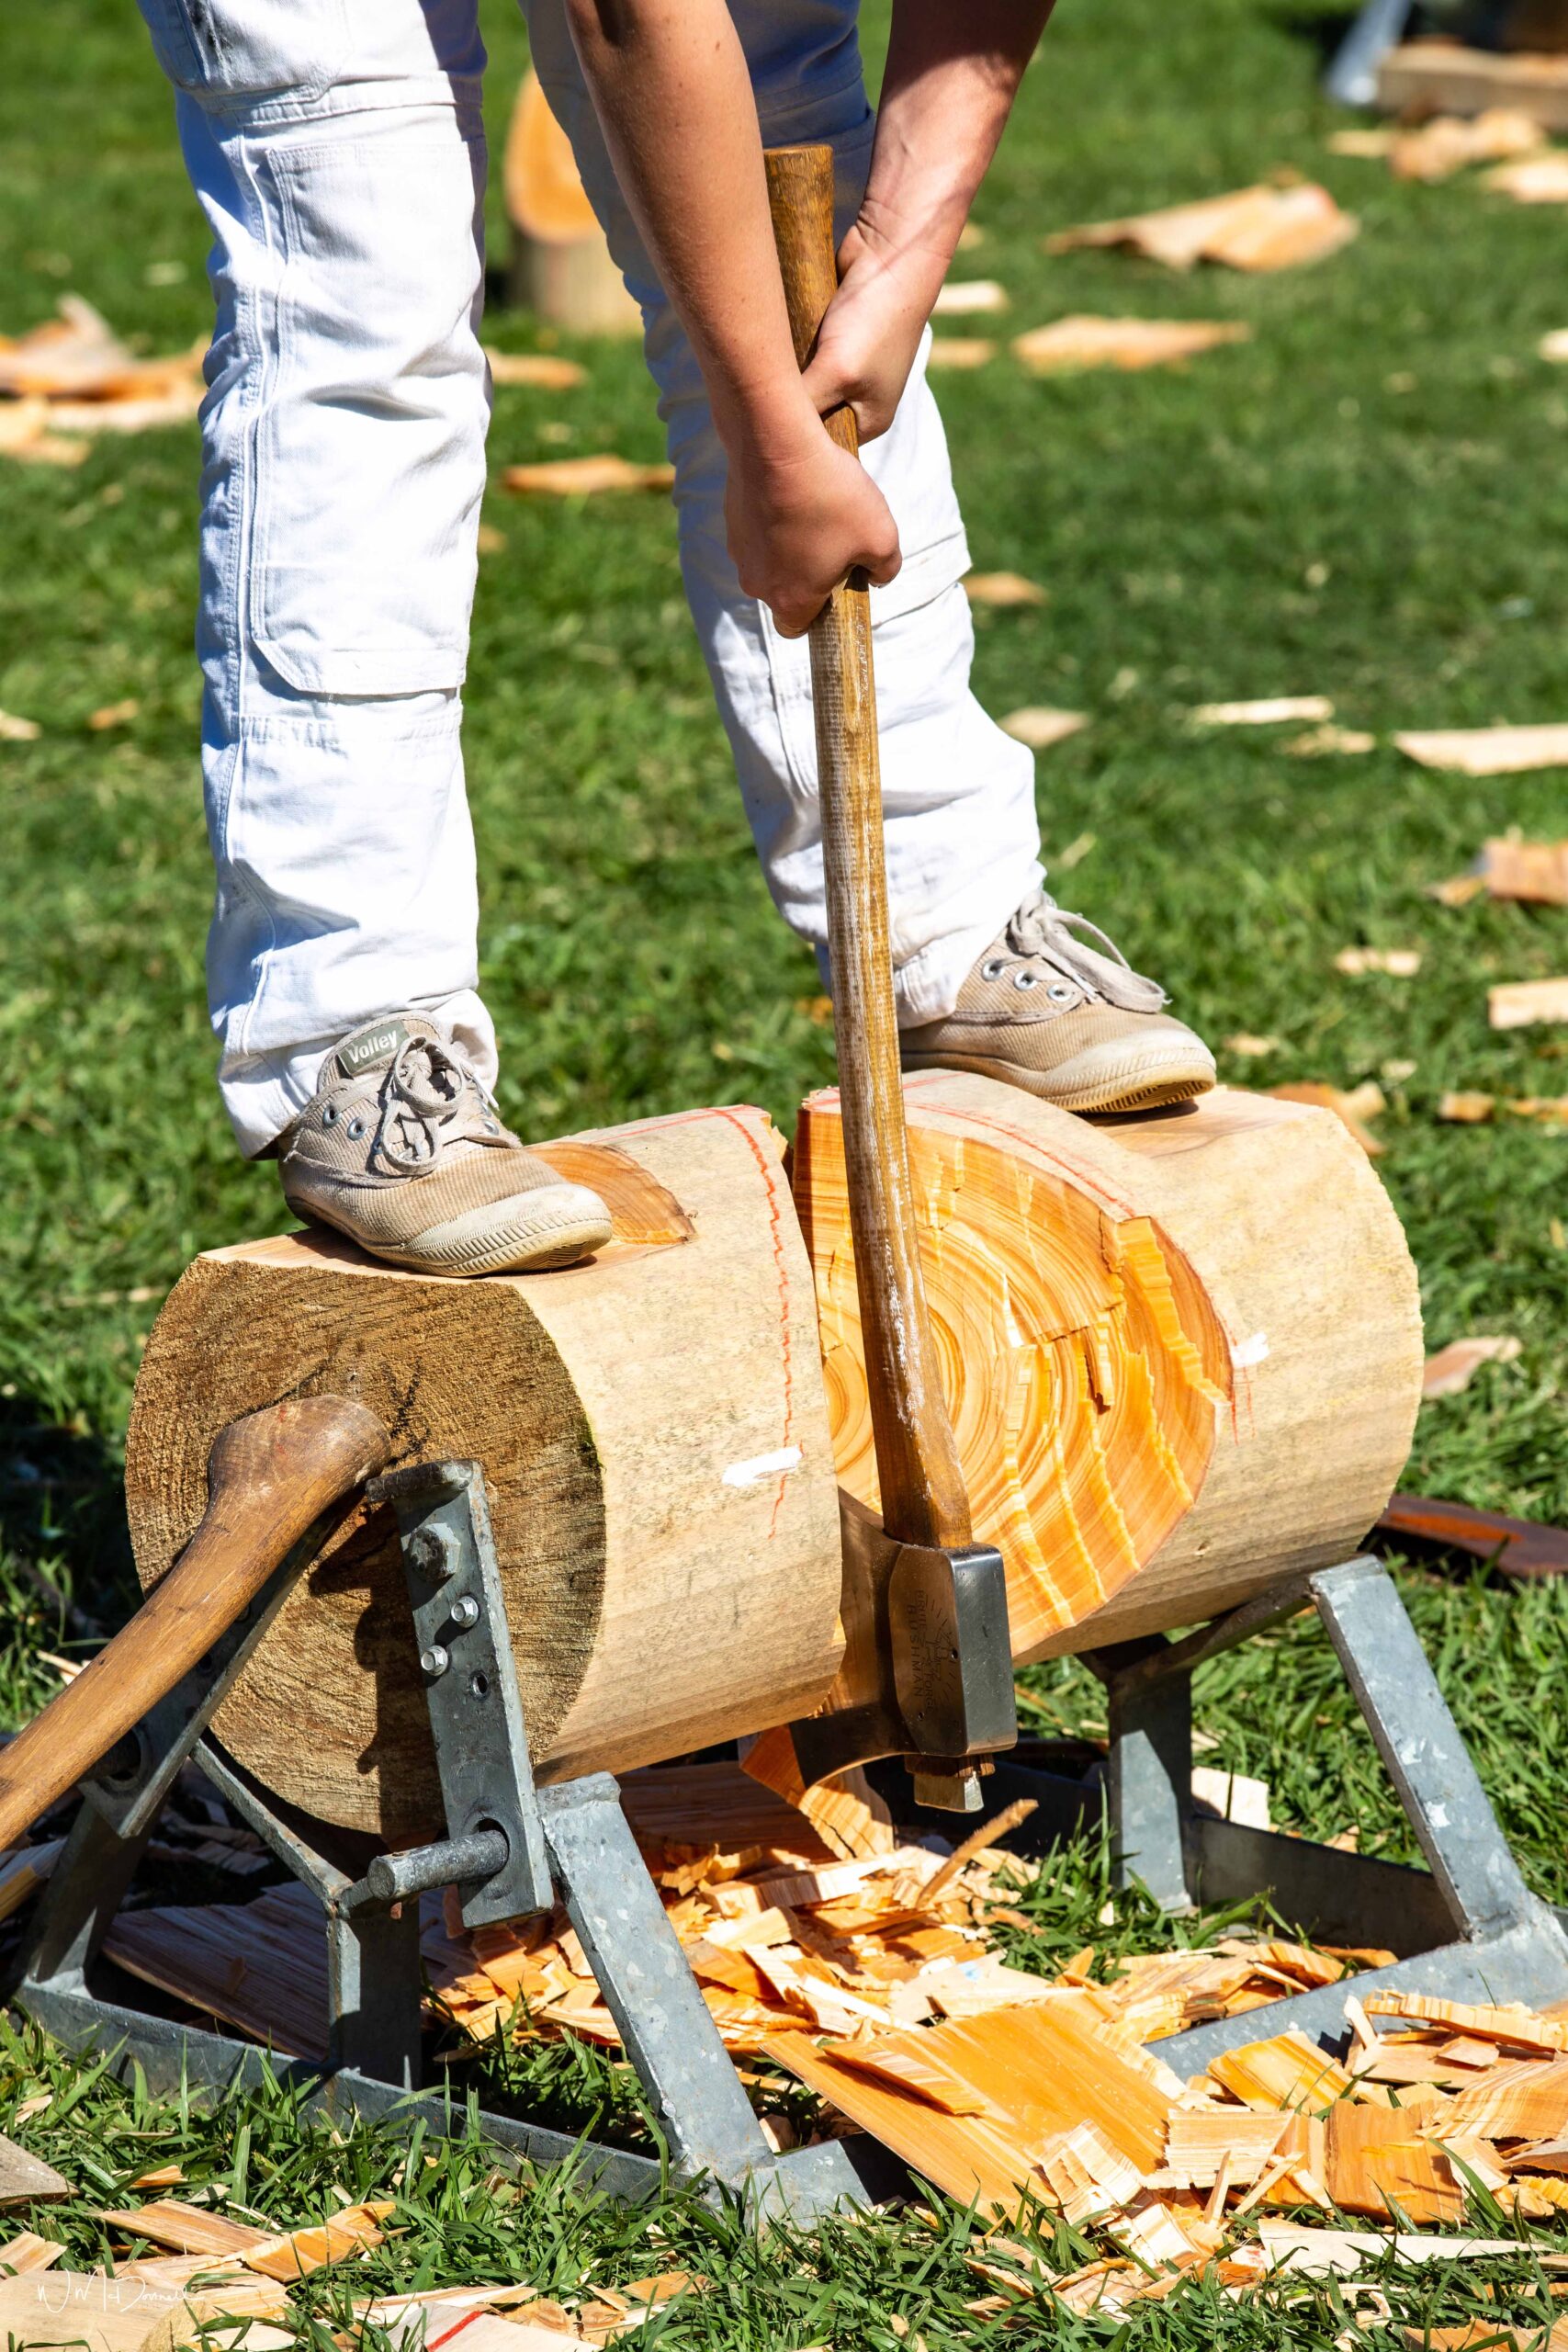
1081,1360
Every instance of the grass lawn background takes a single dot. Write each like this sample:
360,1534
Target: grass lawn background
1366,500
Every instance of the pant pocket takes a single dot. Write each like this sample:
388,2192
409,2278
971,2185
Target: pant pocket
370,442
248,49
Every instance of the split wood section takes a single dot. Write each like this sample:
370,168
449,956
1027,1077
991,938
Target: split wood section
654,1439
1182,1351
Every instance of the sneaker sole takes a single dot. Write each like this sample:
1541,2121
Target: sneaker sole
1123,1087
532,1232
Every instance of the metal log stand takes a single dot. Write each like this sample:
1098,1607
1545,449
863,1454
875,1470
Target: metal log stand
1469,1931
509,1847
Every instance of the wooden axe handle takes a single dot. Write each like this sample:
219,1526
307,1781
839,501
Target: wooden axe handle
924,1498
270,1478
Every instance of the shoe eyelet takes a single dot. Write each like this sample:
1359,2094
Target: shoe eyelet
1062,992
329,1116
994,969
1026,979
355,1129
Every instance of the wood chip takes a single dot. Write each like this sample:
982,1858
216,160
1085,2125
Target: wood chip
1554,346
1036,2068
1399,963
19,731
1452,1370
962,351
91,2313
967,297
1513,2025
1533,872
26,2179
1353,1107
1286,2070
1258,228
538,368
1533,179
1317,2253
1039,726
1526,2099
1519,1546
294,2253
1330,742
1466,1109
1521,1004
1002,588
27,2251
186,2229
1370,145
1271,711
1487,751
1458,890
1082,341
584,477
1376,2159
1251,1048
1449,143
114,714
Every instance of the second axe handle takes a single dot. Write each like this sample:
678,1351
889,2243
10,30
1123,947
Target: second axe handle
923,1497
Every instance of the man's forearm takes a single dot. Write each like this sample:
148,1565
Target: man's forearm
670,80
954,68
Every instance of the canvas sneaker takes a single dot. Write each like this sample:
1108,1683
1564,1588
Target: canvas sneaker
1071,1023
400,1148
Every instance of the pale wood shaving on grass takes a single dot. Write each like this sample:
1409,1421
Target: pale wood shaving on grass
1452,1370
1265,227
962,351
1486,750
592,477
1522,1004
969,297
1081,341
1039,726
1274,710
1449,143
1533,179
1002,588
1353,1105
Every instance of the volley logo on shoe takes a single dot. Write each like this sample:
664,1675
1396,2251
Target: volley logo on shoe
371,1048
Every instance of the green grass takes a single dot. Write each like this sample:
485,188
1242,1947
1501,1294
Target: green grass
1367,500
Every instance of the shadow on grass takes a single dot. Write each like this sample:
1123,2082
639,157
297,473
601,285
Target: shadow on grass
63,1537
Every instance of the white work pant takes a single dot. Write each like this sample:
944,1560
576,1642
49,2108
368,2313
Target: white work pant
336,148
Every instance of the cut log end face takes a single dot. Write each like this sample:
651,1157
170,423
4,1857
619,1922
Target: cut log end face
1083,1363
340,1668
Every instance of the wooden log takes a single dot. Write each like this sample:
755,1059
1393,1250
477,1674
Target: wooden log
1182,1351
653,1432
1428,77
561,264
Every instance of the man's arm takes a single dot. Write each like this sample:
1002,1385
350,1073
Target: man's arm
954,68
669,81
670,86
